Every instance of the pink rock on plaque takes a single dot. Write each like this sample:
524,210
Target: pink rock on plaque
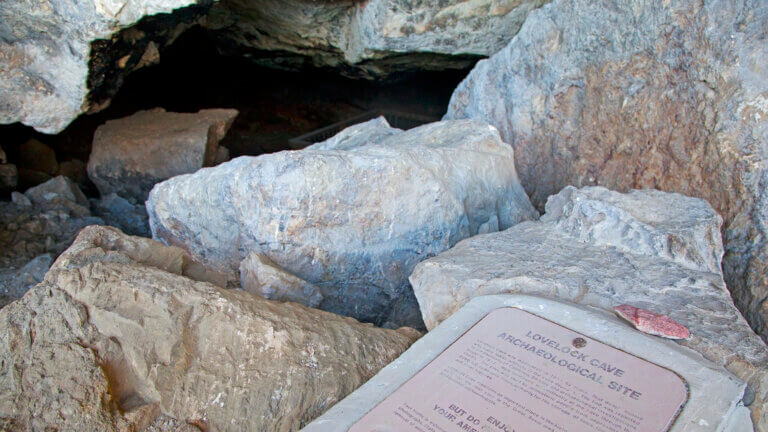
652,323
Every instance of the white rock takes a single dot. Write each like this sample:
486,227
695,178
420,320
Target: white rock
351,220
670,95
594,249
260,276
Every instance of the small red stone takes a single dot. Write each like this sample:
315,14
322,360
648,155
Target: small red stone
652,323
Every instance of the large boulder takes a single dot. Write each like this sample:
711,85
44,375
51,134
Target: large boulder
656,94
372,38
649,249
133,153
53,58
70,59
120,337
352,215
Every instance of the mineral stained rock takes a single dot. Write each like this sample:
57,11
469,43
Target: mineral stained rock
133,153
116,338
46,54
652,323
583,256
656,94
351,216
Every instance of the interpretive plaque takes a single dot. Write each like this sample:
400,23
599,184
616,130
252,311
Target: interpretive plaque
516,372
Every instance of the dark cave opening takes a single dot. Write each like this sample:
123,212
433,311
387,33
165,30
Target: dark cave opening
275,106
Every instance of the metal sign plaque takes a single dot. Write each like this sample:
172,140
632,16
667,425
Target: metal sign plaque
516,372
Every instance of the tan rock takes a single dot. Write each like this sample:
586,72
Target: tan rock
131,154
116,338
260,276
670,95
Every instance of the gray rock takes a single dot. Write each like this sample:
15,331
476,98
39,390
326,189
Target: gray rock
352,220
117,211
133,153
373,38
260,276
9,177
117,338
666,95
47,49
57,189
20,199
42,226
14,283
605,257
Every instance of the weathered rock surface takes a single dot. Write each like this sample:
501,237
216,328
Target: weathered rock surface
588,263
57,189
47,55
373,38
667,95
118,212
260,276
62,61
116,338
15,282
652,323
39,224
131,154
350,216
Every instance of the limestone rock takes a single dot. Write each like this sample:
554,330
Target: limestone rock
32,235
58,188
260,276
551,258
119,212
373,38
49,49
131,154
665,95
14,283
115,338
351,216
36,156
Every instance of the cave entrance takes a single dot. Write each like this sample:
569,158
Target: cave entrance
278,109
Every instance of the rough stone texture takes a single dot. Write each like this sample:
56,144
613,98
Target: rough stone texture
549,259
45,51
14,283
120,213
42,223
627,94
352,220
133,153
652,323
260,276
373,38
58,188
116,338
